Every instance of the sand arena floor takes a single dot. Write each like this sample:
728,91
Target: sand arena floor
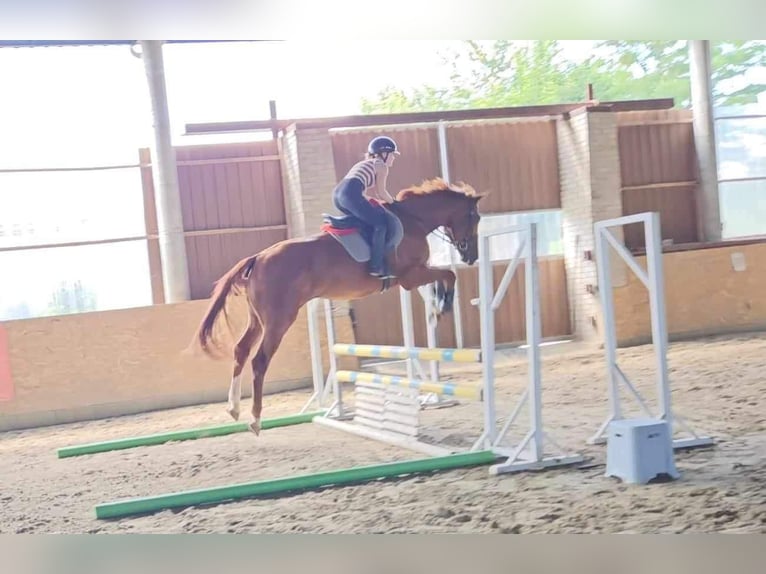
718,385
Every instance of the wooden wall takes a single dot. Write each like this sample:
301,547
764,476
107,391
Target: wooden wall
94,365
705,294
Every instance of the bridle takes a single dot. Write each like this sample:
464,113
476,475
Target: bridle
448,236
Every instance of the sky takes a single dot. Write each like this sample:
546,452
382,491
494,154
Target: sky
89,106
60,88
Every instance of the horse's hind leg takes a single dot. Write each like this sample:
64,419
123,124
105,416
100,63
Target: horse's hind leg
275,325
241,353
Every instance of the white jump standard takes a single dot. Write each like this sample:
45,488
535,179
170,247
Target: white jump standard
652,279
530,453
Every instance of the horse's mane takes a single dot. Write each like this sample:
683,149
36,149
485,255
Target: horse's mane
436,185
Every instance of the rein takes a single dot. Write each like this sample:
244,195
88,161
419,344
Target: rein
436,232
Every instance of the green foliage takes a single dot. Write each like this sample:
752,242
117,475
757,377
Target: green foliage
506,73
71,298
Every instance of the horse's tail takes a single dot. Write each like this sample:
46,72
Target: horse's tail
234,279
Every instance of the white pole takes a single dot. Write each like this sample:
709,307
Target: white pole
431,324
603,268
315,345
170,226
408,331
332,378
487,320
657,309
533,326
610,333
444,164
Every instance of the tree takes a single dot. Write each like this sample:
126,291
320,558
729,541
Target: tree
661,69
71,298
488,74
505,73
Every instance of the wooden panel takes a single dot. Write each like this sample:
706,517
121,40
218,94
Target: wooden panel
658,172
517,162
222,187
222,195
6,380
210,256
377,319
704,295
419,160
677,208
656,153
108,363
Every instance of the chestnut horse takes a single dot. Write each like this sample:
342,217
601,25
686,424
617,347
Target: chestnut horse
282,278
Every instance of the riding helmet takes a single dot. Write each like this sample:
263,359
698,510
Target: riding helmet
381,145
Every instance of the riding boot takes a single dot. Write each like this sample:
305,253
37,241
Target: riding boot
377,248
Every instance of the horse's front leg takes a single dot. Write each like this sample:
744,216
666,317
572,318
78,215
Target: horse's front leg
445,285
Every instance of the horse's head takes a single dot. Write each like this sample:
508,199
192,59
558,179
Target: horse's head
455,207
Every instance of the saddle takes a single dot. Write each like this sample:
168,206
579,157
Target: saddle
356,235
347,223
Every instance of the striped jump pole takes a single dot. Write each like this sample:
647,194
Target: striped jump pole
394,352
472,392
380,398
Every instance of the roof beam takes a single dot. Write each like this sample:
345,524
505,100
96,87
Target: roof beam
423,117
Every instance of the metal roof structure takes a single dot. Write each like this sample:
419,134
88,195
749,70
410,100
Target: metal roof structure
61,43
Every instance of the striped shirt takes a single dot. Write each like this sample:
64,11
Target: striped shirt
364,171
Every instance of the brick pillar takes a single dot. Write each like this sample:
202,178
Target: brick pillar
605,167
288,149
309,174
589,168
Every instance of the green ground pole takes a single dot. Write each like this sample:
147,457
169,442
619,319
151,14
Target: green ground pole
282,485
191,434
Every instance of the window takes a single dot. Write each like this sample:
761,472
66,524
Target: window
741,151
62,280
743,208
58,207
68,117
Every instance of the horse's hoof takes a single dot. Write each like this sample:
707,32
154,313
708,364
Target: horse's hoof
233,412
255,426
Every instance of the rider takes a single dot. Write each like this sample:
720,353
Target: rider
369,175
